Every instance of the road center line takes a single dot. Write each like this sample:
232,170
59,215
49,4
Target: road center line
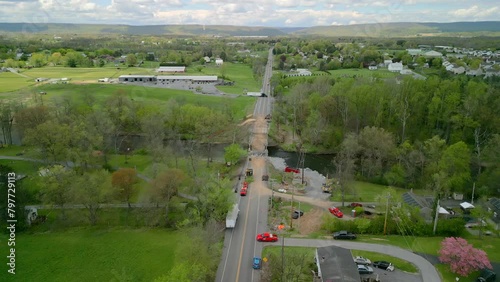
243,241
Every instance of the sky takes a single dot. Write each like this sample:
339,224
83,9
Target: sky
275,13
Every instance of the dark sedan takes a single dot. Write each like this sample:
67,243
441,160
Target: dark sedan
384,265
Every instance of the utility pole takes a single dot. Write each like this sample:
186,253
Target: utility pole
436,218
291,213
386,213
473,189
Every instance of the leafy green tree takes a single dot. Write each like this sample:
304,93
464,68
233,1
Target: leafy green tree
185,272
53,140
38,60
233,153
166,185
92,189
124,182
455,162
56,182
131,60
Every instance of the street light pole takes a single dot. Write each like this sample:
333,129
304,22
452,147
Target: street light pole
386,214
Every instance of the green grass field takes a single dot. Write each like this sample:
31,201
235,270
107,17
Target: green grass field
11,82
94,255
79,74
240,106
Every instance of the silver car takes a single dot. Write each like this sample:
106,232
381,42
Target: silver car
362,260
364,269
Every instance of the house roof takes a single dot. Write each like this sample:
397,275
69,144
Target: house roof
416,201
466,205
188,77
171,69
336,265
136,75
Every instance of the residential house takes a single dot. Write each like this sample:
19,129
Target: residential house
335,265
433,54
207,59
372,67
458,70
414,52
387,62
476,72
219,62
395,67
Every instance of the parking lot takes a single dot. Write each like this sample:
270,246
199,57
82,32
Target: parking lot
394,276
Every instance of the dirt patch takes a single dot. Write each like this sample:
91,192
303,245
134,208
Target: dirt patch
310,222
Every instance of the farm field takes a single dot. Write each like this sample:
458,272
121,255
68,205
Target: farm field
240,106
241,74
11,82
95,255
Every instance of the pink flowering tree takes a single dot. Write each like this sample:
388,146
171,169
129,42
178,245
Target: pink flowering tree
462,257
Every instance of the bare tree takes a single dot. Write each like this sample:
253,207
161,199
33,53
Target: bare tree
344,163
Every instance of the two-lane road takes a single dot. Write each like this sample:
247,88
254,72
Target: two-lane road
240,245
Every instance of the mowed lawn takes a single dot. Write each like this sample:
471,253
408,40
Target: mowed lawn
95,255
241,74
240,106
79,74
11,82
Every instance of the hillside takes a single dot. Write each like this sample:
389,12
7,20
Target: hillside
209,30
358,30
406,29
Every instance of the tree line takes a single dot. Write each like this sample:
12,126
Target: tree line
441,134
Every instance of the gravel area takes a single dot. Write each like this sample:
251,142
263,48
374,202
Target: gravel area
314,179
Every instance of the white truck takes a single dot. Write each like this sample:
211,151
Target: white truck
256,94
231,217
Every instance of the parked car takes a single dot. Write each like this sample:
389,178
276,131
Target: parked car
291,169
344,235
362,260
371,206
267,237
487,276
281,190
296,214
363,269
257,263
353,205
336,212
384,265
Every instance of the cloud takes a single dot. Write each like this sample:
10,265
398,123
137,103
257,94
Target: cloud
475,12
249,12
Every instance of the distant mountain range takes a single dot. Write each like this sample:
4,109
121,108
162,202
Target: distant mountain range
490,28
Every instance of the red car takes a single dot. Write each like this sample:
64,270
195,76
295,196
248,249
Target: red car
353,205
267,237
290,169
336,212
243,191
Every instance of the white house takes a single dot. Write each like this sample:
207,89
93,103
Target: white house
458,70
395,67
414,52
372,67
219,62
207,59
387,62
433,54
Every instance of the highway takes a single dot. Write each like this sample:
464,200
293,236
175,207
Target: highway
240,245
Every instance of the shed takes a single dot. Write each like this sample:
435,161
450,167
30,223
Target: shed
466,205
